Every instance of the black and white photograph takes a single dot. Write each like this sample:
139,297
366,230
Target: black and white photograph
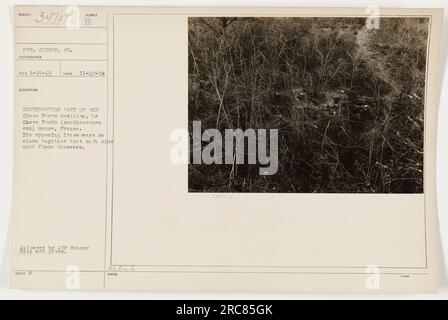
207,153
307,104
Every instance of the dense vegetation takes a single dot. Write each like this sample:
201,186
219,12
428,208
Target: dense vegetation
348,101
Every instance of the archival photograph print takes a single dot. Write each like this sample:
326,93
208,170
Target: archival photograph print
306,104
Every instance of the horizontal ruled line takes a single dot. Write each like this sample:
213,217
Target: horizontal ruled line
58,27
64,43
30,59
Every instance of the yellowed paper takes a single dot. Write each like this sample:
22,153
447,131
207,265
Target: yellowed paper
102,95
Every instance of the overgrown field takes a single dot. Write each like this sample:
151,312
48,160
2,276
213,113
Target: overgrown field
348,101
